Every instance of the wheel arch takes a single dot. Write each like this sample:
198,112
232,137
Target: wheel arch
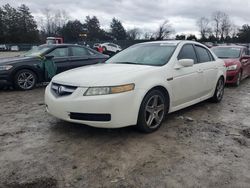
164,91
38,75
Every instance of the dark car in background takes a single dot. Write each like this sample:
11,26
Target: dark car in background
24,71
237,60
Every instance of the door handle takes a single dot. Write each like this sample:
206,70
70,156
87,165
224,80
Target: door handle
200,71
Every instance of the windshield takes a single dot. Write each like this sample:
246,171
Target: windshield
36,51
145,54
227,52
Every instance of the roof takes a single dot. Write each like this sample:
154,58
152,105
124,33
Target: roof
230,46
61,45
173,42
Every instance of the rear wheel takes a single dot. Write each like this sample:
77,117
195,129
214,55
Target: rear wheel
219,91
25,79
152,111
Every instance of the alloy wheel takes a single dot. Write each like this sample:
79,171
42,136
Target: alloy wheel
220,89
26,80
154,111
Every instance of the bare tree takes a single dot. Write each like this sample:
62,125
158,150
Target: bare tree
222,24
52,21
226,26
164,31
134,34
205,29
217,17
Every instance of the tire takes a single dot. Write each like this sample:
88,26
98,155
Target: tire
25,79
152,111
239,76
219,91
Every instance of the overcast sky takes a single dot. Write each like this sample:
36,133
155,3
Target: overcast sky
147,15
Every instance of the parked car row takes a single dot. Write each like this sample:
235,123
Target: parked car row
138,86
4,47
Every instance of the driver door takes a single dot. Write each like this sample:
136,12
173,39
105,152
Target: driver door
61,58
187,81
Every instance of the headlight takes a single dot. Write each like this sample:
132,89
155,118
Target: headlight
109,90
5,67
232,67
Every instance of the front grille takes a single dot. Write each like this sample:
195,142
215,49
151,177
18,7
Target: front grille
230,78
90,117
62,90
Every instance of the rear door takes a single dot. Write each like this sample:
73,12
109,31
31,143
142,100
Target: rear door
208,67
81,56
61,58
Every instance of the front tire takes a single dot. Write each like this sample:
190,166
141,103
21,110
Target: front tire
25,79
152,111
238,79
219,91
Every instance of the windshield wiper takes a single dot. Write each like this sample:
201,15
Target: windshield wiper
127,62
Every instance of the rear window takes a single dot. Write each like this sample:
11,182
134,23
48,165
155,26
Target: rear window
227,52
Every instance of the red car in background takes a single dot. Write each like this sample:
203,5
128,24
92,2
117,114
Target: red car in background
237,60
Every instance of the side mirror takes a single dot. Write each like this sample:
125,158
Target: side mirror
186,62
49,57
244,58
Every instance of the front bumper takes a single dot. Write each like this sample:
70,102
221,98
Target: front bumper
232,76
5,78
123,108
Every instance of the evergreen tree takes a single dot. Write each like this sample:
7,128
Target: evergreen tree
117,30
27,25
244,34
93,28
72,30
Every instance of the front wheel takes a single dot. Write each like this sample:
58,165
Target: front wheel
25,79
152,111
219,91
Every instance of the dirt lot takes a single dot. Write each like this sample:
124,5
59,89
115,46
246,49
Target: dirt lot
9,54
207,145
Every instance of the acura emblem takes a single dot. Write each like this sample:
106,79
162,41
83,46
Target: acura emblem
60,90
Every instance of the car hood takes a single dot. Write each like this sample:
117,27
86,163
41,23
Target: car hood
230,62
10,60
101,75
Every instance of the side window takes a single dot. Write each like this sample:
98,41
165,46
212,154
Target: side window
79,51
59,52
203,54
187,52
245,52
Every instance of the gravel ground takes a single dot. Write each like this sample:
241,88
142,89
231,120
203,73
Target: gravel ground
9,54
206,145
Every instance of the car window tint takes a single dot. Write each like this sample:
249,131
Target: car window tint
187,52
203,54
59,52
79,51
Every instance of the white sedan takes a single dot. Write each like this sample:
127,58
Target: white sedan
139,86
